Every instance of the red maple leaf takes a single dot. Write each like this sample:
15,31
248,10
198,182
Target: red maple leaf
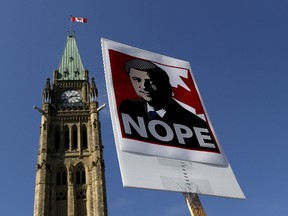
190,98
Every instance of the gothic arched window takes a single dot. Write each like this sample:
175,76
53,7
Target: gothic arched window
80,191
61,192
74,137
66,137
61,176
80,175
84,137
57,139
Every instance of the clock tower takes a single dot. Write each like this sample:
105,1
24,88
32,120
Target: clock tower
70,178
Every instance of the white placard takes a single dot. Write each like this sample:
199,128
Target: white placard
175,148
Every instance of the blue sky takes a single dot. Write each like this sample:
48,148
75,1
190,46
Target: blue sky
238,52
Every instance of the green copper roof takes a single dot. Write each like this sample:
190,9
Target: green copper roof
71,67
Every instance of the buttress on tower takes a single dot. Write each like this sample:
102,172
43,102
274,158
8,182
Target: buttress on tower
70,178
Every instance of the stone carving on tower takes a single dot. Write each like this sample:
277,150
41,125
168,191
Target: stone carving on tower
70,178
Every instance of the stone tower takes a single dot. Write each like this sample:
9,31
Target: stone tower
70,178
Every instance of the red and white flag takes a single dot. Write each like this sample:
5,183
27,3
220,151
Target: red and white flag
78,19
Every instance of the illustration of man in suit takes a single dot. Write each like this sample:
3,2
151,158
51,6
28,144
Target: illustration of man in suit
156,117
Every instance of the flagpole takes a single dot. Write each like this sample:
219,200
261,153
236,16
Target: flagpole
70,31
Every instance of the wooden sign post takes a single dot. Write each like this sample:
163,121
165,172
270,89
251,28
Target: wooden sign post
194,204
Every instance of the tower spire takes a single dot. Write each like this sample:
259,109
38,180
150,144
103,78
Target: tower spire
71,67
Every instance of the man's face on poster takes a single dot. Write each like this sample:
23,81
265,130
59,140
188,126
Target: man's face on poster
143,84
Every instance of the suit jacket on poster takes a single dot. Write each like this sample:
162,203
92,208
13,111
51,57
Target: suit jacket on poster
175,114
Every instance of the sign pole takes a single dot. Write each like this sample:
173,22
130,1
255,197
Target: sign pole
194,204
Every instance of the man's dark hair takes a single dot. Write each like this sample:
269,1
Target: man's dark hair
158,76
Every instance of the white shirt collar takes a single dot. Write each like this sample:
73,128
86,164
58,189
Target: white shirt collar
160,112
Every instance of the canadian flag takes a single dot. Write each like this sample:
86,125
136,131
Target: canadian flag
78,19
